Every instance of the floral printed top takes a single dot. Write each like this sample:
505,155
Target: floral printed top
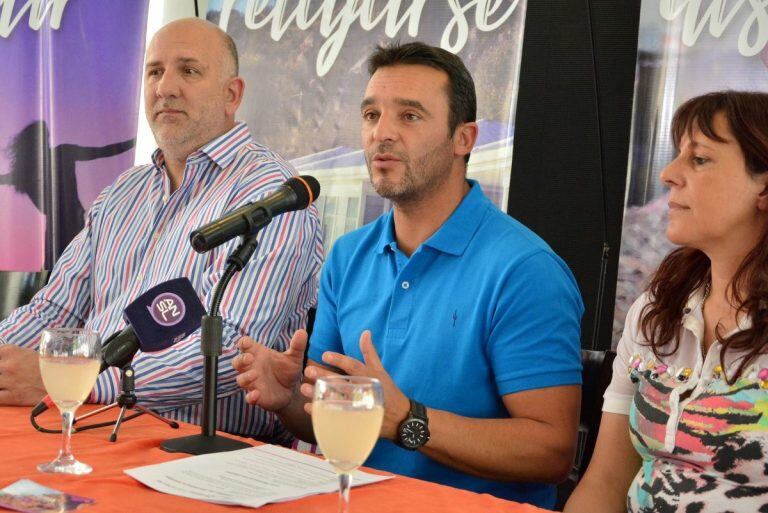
703,442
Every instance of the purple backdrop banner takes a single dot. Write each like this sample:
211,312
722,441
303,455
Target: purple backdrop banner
69,100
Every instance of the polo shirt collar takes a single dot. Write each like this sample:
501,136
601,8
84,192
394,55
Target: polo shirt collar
387,235
454,235
221,150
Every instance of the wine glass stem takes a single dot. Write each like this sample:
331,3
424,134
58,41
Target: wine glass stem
345,481
66,434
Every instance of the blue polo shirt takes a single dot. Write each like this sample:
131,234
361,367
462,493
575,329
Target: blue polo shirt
481,309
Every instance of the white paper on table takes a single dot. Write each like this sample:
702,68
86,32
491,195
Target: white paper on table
247,477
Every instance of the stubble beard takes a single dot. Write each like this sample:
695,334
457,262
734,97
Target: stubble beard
171,137
186,135
418,179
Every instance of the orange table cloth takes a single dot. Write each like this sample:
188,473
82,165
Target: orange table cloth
138,444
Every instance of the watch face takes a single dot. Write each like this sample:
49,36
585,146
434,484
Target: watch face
414,434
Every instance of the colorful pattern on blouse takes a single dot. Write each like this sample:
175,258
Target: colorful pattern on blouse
700,439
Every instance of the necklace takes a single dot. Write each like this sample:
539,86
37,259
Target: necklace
707,290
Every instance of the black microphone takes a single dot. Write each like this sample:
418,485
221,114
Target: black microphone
295,194
126,344
157,319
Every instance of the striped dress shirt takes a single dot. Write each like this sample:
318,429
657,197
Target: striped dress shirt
136,235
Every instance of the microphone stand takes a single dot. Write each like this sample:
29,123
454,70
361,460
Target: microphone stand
210,340
127,400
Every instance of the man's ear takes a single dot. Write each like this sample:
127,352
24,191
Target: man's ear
464,138
233,91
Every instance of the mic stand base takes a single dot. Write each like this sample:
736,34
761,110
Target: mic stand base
202,444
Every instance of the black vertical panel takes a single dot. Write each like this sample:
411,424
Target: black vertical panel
17,288
572,135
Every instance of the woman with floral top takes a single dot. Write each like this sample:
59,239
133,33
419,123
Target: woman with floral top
685,418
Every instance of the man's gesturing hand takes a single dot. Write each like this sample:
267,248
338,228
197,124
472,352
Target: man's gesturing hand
270,377
396,404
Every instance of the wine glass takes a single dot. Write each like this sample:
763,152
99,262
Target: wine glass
69,364
346,417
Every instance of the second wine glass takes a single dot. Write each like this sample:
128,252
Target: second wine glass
347,412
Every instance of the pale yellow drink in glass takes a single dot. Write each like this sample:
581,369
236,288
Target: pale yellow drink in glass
345,435
347,412
69,380
70,359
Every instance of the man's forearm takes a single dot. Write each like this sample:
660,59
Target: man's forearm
515,449
23,326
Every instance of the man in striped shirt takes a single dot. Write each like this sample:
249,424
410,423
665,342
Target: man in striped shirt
136,236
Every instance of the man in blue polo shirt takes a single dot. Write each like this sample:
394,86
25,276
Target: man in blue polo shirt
467,317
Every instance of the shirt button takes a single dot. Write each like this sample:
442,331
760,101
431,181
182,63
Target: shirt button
165,198
405,285
156,236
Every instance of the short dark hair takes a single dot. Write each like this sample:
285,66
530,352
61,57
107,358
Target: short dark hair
462,99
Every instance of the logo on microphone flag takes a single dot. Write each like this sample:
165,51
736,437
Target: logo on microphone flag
167,309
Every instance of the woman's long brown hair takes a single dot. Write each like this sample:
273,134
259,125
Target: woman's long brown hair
686,269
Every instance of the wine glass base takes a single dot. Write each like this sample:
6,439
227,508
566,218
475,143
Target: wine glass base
65,467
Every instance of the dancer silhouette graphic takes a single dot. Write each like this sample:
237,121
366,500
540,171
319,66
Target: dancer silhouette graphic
47,176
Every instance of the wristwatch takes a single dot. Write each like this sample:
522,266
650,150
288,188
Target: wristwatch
414,430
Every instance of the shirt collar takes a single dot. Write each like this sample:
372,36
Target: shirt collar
387,236
693,314
221,150
454,235
695,304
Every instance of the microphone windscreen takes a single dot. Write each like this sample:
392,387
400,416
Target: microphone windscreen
306,188
119,349
165,314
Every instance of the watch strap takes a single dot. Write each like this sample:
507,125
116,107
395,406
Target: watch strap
418,410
